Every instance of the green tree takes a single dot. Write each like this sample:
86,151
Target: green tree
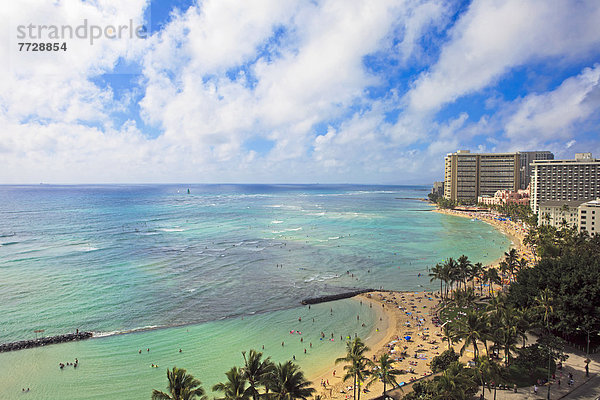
443,361
464,267
456,382
182,386
571,277
544,302
503,266
453,273
529,359
511,259
492,277
236,386
448,334
486,371
473,329
437,273
509,332
358,364
465,298
385,372
478,272
287,382
522,263
256,370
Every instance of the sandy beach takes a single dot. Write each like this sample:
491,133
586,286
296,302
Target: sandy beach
401,314
409,314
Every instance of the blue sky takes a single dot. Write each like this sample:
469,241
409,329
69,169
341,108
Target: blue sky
293,91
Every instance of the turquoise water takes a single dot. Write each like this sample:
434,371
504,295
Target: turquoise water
111,367
114,259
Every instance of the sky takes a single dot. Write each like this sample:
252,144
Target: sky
290,91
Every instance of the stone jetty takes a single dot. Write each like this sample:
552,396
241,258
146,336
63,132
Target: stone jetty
27,344
333,297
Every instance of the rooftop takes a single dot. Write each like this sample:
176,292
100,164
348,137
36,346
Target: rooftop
592,203
579,158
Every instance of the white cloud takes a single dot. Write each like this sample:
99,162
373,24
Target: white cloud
298,64
492,37
312,75
551,115
55,85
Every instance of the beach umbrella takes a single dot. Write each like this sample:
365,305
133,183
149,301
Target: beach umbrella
407,337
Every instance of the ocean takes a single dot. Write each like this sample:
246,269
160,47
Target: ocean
215,271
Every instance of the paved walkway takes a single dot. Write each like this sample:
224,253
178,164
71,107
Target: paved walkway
588,391
589,387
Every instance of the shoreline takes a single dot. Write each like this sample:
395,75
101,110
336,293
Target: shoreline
513,231
398,322
377,336
402,313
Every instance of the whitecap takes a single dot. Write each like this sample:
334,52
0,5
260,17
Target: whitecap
172,229
88,248
321,278
277,222
124,331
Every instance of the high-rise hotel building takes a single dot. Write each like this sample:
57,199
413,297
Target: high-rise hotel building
569,180
525,160
469,175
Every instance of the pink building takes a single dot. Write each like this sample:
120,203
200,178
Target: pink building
506,196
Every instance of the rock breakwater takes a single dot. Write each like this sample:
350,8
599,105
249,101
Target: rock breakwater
27,344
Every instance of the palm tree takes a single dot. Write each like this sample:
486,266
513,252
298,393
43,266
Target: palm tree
544,304
503,266
358,363
465,298
445,276
522,264
478,271
509,331
256,370
437,273
473,329
511,259
496,305
235,387
287,382
452,383
523,323
448,332
446,386
492,278
385,372
182,386
487,371
453,272
464,266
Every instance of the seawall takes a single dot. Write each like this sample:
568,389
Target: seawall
333,297
27,344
